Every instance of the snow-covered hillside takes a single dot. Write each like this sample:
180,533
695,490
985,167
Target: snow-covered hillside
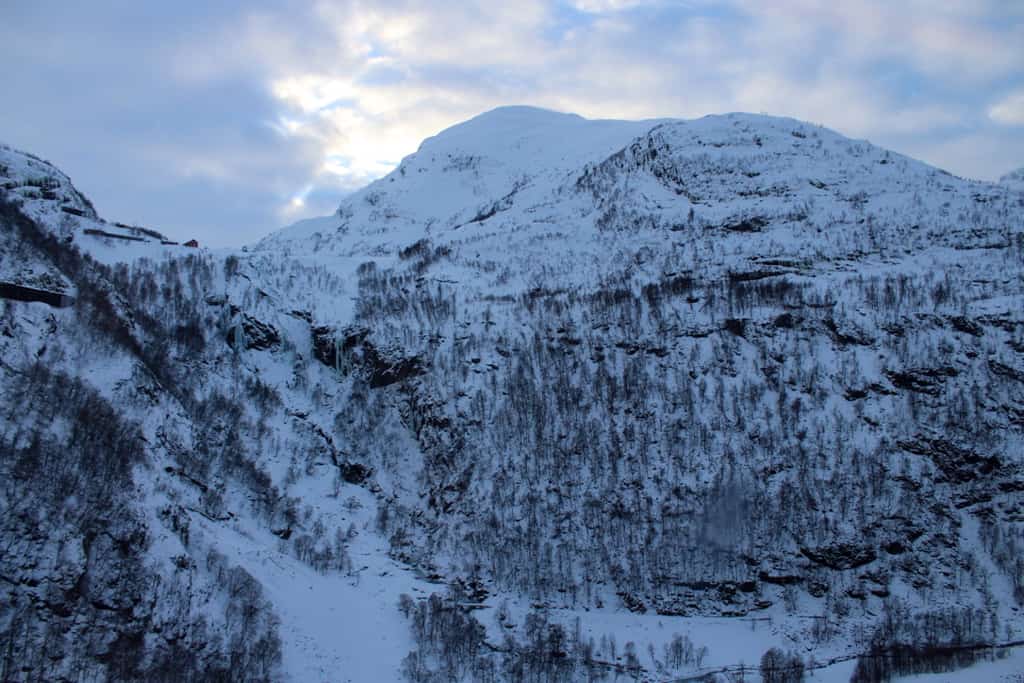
557,399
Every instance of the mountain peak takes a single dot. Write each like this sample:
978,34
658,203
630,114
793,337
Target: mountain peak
532,131
525,112
31,176
718,169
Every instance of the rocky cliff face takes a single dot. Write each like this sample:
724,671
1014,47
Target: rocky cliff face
733,367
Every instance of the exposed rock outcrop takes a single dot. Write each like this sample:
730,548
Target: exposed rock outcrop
351,348
253,334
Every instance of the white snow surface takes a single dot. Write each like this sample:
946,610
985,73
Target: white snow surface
335,628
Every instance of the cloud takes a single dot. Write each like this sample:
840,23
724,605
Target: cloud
225,119
605,6
954,41
1009,111
675,62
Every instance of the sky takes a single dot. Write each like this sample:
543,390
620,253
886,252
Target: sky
226,120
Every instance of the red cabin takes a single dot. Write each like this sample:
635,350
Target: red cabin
192,243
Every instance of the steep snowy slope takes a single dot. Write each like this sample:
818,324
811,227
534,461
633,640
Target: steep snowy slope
624,398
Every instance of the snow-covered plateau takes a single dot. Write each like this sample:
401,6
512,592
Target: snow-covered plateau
734,398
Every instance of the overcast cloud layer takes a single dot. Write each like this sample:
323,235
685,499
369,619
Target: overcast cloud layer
225,120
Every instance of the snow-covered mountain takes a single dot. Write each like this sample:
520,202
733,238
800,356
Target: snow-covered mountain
661,399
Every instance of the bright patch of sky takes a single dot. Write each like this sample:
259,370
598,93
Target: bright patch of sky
223,121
